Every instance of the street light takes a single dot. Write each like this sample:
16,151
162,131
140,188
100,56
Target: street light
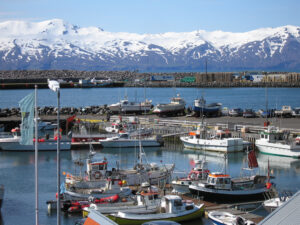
54,86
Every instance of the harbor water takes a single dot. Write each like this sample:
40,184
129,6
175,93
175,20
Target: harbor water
17,174
254,98
17,168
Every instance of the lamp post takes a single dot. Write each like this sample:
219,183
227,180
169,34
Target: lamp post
54,86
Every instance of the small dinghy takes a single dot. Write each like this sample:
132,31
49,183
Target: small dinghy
225,218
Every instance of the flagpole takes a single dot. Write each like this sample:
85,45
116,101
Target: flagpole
36,160
54,86
58,158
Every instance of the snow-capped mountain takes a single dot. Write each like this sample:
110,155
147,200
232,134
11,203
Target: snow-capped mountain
55,44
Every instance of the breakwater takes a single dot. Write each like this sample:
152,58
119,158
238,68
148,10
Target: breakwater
27,79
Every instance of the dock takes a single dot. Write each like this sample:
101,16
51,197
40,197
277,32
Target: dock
234,208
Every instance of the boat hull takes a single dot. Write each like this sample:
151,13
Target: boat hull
130,143
197,212
230,145
42,146
278,149
224,196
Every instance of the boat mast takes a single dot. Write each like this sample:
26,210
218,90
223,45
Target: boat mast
36,158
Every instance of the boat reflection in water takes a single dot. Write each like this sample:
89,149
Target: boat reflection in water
278,162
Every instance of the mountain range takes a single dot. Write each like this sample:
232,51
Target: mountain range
56,44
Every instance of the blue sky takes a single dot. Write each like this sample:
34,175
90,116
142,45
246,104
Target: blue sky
158,16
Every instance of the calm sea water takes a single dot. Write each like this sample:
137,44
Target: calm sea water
17,174
230,97
17,169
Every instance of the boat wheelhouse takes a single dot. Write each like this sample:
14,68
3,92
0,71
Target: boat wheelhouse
276,142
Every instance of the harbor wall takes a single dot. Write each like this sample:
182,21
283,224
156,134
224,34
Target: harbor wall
27,79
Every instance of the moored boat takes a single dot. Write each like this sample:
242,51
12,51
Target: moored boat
12,143
172,208
143,203
197,174
220,187
275,142
225,218
216,140
124,140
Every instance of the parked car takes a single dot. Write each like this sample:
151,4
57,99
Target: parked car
249,113
236,112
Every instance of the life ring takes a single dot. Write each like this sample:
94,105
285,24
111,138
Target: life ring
97,175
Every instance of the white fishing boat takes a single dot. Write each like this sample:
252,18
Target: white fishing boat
213,140
125,106
12,143
172,207
1,195
175,107
225,218
144,203
125,140
220,187
275,142
197,174
112,187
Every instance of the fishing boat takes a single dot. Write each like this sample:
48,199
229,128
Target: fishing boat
197,174
220,187
12,143
275,142
201,108
213,140
1,195
125,140
131,127
97,172
172,208
112,187
175,107
225,218
143,203
125,106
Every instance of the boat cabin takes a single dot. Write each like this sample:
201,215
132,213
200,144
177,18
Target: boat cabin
273,135
221,134
199,172
219,181
177,100
147,198
174,204
96,170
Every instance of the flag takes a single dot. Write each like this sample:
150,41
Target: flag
252,161
27,114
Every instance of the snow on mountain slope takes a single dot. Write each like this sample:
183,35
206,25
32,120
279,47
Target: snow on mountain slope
54,43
